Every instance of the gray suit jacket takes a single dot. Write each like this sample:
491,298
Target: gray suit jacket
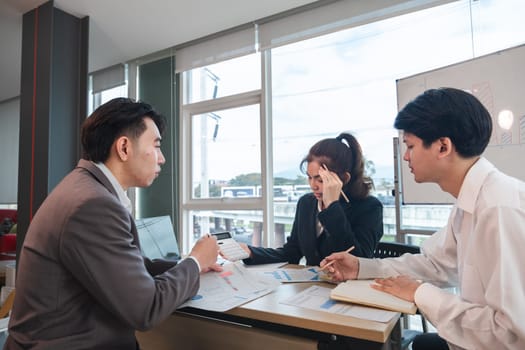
82,282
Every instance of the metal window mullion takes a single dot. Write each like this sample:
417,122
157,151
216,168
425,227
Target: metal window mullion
268,237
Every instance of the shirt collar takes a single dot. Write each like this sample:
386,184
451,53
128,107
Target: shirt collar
318,226
122,196
319,206
472,184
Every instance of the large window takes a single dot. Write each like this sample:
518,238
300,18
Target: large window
248,122
226,153
222,163
226,78
345,81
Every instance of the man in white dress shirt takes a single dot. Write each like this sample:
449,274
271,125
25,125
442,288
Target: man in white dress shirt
479,251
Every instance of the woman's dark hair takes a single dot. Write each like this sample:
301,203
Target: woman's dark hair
448,112
118,117
341,155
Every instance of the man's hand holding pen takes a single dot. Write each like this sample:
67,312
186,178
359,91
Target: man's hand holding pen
333,261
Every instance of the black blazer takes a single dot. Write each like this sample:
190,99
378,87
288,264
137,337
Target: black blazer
358,223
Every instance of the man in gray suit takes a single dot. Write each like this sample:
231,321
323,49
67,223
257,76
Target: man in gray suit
82,282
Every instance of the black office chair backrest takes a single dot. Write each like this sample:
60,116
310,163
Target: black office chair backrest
393,249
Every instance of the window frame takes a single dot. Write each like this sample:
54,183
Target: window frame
263,203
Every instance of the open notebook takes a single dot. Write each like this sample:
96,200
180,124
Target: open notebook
360,292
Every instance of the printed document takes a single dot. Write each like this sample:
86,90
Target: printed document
318,298
234,286
307,274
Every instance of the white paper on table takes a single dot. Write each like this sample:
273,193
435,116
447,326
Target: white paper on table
318,298
234,286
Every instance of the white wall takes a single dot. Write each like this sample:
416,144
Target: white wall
9,135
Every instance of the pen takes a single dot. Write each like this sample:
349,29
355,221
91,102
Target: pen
333,261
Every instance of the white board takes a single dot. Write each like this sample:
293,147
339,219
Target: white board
498,81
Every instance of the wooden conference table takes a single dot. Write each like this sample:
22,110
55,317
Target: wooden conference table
264,323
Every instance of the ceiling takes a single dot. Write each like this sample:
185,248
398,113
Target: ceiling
121,30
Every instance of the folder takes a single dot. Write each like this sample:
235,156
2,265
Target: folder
360,292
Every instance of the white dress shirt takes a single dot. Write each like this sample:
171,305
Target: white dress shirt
122,196
481,251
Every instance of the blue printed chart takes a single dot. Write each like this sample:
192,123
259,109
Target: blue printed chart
307,274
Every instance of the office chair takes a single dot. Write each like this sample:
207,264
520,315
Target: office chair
392,250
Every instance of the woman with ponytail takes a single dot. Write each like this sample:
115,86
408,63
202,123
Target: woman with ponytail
338,214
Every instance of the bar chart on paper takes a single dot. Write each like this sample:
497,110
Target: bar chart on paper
307,274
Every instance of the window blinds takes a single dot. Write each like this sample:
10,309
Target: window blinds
334,16
216,49
108,78
312,20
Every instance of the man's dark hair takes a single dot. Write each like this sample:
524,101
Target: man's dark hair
448,112
116,118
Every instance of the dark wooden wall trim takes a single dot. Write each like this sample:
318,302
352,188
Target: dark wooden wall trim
53,103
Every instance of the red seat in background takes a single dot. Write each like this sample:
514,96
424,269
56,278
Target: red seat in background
8,240
7,245
8,213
